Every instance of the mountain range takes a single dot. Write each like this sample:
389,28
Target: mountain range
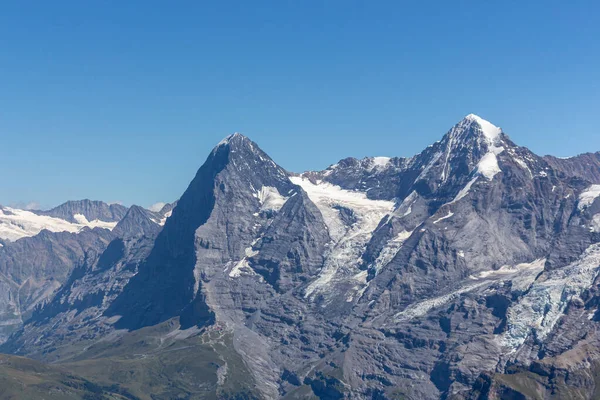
468,271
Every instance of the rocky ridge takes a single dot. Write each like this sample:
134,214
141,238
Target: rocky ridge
443,275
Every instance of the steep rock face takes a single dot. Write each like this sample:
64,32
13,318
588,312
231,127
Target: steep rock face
93,284
584,166
139,221
41,248
428,277
234,194
290,251
240,241
483,218
31,269
508,213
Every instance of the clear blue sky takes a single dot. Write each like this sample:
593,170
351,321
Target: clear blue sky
123,100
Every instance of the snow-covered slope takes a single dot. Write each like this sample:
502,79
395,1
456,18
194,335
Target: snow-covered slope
16,224
351,218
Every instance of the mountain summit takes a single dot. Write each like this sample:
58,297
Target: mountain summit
238,186
469,270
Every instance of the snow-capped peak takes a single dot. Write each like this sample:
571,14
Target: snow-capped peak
473,128
489,130
472,132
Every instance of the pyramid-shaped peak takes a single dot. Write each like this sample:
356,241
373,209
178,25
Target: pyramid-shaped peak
235,138
473,130
242,154
489,130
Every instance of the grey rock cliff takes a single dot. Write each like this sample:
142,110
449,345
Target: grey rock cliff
467,271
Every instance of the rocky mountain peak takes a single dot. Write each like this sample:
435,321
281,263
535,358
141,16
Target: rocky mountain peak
472,131
138,221
378,278
246,162
239,186
235,141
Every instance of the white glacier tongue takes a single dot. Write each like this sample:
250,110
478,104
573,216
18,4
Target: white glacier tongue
521,276
16,224
347,241
543,305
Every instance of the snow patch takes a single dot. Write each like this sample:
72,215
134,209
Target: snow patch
450,214
81,219
428,167
595,226
358,289
523,165
488,166
228,139
163,221
523,275
270,199
588,196
243,266
379,162
423,307
405,208
327,197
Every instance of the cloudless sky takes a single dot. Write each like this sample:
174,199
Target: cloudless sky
123,100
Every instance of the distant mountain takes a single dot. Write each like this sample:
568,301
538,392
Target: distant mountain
585,166
468,271
32,268
71,216
92,210
41,251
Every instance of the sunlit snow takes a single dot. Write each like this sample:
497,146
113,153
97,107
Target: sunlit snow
450,214
595,227
522,276
270,199
16,224
587,197
540,309
347,241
